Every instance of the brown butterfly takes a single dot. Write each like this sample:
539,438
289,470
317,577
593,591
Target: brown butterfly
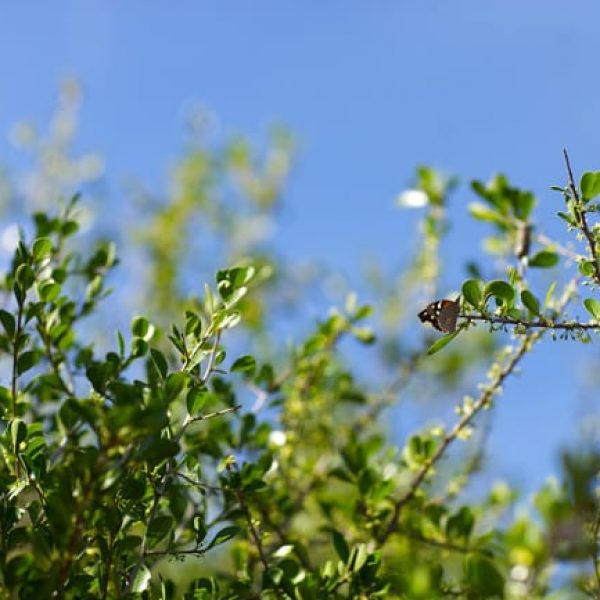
441,314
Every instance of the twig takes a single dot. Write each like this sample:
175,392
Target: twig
540,324
488,393
212,415
194,551
253,530
583,225
213,355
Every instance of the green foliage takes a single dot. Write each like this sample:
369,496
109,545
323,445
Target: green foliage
184,460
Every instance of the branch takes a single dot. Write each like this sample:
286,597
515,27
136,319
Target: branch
583,225
482,402
539,324
253,530
212,415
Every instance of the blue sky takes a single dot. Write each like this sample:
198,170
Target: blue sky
370,89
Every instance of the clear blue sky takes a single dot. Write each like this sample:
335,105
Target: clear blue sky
370,89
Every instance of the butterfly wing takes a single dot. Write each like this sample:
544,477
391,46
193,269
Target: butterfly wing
448,316
441,314
430,315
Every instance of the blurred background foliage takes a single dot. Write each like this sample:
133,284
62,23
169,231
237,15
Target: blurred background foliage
309,464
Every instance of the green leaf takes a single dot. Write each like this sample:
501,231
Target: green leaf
460,524
18,432
8,322
593,307
196,399
483,577
25,276
482,213
586,268
175,384
590,185
141,583
340,545
49,291
549,294
139,347
157,449
544,259
471,290
224,535
502,291
441,343
41,248
159,361
142,328
244,364
530,302
26,361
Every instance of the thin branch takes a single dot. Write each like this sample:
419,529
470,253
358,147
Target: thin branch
583,225
539,324
194,551
482,402
213,355
212,415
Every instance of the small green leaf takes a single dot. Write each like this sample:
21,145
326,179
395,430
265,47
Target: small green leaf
160,362
441,343
142,328
590,185
26,361
549,294
174,385
482,213
359,557
18,432
483,577
530,302
94,287
139,347
224,535
586,268
196,399
8,322
460,524
472,293
340,545
49,291
502,291
244,364
41,248
593,307
25,276
544,259
142,580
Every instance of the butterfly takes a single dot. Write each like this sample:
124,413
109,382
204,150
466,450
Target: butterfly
441,314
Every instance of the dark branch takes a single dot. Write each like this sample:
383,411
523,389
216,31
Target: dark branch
539,324
583,224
